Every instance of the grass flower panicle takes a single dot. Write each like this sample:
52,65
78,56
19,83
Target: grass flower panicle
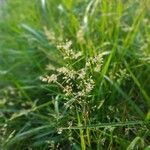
49,79
49,34
80,35
67,52
75,83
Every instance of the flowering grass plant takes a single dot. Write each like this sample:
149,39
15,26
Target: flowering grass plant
74,75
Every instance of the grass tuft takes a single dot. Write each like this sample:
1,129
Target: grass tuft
74,74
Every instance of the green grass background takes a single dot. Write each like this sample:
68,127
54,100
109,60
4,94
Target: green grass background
28,118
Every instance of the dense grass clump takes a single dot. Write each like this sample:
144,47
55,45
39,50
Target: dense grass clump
74,74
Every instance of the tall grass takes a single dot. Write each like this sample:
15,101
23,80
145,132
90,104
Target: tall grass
74,74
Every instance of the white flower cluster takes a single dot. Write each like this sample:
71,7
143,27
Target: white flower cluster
96,62
49,79
67,52
119,75
73,83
